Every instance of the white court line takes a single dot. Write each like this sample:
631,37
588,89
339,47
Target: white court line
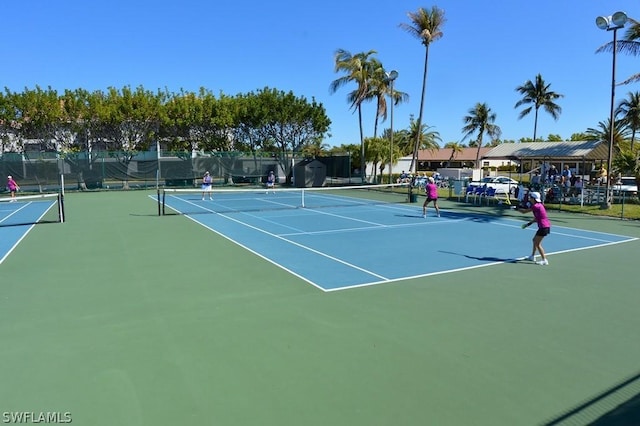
384,280
583,237
369,228
23,235
335,259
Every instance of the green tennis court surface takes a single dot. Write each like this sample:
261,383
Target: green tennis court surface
119,316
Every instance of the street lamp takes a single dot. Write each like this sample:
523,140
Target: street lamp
391,76
611,23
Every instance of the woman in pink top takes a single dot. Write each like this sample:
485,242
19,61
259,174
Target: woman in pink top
544,226
432,195
12,186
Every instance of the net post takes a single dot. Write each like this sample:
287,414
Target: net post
158,198
163,204
302,198
61,206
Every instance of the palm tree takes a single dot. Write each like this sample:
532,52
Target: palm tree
455,148
358,69
481,120
380,88
426,25
629,44
427,139
630,110
538,95
602,133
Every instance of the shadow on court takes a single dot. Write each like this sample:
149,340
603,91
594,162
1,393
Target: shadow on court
626,410
483,258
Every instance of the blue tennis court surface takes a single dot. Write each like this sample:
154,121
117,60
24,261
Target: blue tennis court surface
366,244
18,218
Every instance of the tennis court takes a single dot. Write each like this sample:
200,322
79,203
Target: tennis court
18,216
121,316
365,239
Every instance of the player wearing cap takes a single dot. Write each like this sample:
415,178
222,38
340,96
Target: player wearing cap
544,226
206,185
12,186
431,190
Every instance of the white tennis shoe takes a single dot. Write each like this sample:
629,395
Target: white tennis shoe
543,262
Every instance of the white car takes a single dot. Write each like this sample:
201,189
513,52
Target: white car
626,185
502,184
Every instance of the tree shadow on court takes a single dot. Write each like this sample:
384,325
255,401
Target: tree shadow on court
626,409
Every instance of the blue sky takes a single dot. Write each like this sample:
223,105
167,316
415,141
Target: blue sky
488,49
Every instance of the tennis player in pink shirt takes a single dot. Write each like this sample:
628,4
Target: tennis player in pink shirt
544,226
432,195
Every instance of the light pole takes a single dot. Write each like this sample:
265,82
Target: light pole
611,23
391,76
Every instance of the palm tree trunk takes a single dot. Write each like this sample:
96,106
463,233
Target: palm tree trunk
535,126
478,151
416,144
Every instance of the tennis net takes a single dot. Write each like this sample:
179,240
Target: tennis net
32,209
192,201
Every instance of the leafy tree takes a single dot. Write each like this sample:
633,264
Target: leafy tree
578,137
480,120
425,25
377,150
293,123
7,119
315,148
537,94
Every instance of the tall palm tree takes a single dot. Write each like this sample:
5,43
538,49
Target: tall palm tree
480,120
380,87
426,25
537,94
357,68
630,110
455,148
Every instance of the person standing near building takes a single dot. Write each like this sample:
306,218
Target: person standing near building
13,187
207,181
431,190
544,226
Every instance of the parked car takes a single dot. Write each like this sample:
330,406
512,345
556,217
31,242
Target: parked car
502,184
626,185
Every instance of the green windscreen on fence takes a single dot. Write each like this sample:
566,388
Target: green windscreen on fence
41,171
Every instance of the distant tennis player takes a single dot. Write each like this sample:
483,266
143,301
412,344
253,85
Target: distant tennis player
13,187
431,190
206,185
544,226
271,182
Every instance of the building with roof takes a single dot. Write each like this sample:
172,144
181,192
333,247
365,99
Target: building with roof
582,157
